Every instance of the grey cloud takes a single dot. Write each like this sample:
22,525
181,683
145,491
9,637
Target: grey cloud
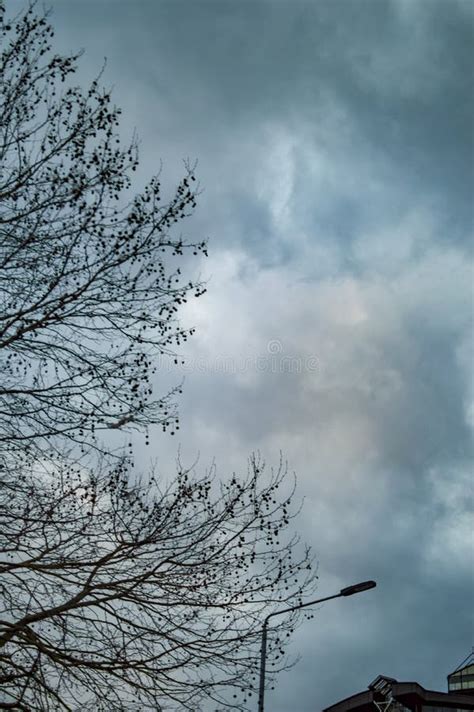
210,69
335,148
372,437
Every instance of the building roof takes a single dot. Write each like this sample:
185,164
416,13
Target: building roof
408,694
462,678
411,695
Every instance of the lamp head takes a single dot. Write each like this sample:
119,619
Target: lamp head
357,588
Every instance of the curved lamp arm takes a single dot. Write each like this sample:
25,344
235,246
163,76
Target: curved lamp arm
348,591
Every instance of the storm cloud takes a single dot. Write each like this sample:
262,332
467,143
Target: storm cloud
335,150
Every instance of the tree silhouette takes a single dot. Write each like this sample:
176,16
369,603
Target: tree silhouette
116,592
118,596
89,281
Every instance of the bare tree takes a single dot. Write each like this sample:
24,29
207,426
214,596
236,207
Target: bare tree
89,280
119,597
115,593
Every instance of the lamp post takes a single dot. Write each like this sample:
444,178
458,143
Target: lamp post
348,591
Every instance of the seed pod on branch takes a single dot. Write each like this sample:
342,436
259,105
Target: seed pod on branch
89,277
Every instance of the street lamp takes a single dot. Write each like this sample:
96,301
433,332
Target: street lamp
348,591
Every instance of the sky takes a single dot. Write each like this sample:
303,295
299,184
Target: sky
334,141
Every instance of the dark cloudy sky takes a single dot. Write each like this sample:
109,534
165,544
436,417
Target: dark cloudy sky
335,147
